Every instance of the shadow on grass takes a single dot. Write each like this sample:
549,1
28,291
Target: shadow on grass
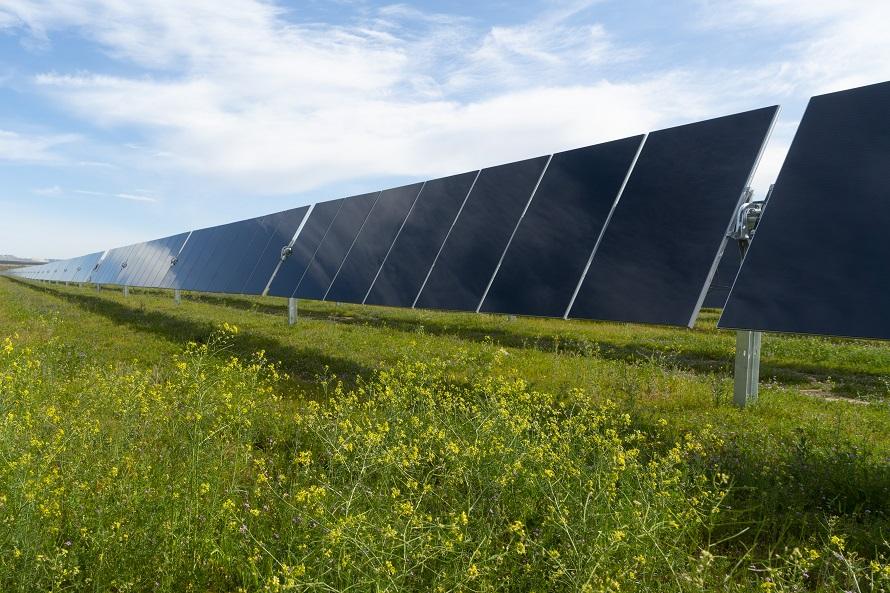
303,364
688,357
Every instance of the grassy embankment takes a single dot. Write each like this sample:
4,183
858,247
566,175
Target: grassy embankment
409,450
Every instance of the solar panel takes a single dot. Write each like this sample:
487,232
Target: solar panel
59,269
216,265
141,264
177,275
167,248
420,239
243,260
83,266
726,272
553,242
292,269
659,250
283,226
477,241
817,262
134,264
364,259
335,246
110,266
217,242
155,261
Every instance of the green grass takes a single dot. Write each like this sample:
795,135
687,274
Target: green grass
806,464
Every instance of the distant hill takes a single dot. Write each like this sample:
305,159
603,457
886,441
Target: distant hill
24,261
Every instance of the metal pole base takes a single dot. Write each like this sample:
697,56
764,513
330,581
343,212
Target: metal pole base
177,296
126,291
291,311
747,367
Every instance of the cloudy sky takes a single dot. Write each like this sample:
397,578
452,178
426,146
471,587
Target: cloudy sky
126,120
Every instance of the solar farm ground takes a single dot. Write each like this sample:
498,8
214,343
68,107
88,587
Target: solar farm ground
144,446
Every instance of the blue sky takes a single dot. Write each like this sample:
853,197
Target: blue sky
126,121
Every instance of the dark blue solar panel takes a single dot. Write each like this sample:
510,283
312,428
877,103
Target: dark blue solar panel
554,240
372,244
204,267
415,249
232,247
314,231
818,260
336,244
283,227
178,275
477,241
659,250
724,276
244,261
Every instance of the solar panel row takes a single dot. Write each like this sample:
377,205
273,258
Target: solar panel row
627,230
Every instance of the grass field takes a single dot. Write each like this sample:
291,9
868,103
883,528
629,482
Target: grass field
146,447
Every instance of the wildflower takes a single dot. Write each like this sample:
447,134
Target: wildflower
473,571
837,542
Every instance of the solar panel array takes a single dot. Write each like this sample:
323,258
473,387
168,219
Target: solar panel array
628,230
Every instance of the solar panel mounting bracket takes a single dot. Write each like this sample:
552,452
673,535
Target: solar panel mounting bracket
747,344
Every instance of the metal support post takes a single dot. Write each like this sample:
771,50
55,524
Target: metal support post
177,296
98,288
126,291
747,367
291,311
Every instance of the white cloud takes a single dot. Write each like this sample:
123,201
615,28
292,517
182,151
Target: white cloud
29,148
269,106
238,93
135,196
51,191
829,45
